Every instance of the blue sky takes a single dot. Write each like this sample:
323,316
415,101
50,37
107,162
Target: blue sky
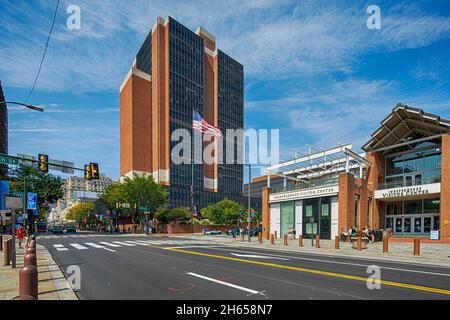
312,68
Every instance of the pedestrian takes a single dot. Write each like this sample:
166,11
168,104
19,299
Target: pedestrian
241,231
20,235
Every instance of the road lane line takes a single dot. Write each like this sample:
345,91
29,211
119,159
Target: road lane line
257,256
319,272
110,244
251,291
125,244
78,246
343,263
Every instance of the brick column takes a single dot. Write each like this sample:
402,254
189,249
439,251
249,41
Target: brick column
265,213
346,201
375,175
445,188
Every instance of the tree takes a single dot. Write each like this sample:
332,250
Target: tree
47,186
177,215
135,196
224,212
81,212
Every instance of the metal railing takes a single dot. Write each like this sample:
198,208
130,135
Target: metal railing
403,183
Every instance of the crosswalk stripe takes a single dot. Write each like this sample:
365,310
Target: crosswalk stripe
124,243
92,244
137,242
60,247
110,244
78,246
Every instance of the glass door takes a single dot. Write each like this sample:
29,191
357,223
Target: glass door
407,225
418,225
398,225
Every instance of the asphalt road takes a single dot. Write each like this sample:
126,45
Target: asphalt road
128,267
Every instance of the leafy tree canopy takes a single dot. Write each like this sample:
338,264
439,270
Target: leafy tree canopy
223,212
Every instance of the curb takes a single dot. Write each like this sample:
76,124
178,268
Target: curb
64,290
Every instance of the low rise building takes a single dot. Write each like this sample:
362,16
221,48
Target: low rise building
401,182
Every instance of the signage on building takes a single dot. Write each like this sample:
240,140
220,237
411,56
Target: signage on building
304,194
434,235
408,191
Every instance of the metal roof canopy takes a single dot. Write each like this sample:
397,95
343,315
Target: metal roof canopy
405,123
319,165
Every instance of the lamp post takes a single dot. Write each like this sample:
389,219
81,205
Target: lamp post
13,229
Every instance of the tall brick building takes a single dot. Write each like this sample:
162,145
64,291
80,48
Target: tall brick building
175,72
401,182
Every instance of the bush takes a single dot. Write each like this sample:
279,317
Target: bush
205,222
196,221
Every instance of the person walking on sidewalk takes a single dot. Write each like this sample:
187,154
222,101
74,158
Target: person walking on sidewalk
20,236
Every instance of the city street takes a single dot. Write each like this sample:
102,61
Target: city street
138,267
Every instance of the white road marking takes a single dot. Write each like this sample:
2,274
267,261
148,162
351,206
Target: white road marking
60,247
257,256
92,244
78,246
137,242
354,264
125,244
110,244
251,291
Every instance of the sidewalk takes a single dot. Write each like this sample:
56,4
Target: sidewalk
52,283
432,254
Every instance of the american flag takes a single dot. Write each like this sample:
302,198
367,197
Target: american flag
199,124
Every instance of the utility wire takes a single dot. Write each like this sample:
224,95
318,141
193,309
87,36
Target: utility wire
45,51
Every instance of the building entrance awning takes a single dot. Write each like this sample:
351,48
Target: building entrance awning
403,126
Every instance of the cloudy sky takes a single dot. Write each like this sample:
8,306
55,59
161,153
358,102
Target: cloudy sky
312,68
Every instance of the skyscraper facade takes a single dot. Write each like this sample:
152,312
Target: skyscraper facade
175,72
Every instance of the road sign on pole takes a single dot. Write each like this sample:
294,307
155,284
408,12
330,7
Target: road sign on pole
7,160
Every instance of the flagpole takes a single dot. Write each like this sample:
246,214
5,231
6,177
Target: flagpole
192,175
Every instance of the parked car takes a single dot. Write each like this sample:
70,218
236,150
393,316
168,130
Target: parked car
212,232
233,231
71,229
253,232
58,229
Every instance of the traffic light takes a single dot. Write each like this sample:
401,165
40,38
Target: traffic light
87,172
94,171
43,162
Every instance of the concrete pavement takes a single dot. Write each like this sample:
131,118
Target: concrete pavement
52,284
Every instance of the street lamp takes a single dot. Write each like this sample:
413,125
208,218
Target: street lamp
29,106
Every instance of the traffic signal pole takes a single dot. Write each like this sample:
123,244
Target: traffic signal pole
249,186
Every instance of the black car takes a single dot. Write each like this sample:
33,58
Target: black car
253,232
58,229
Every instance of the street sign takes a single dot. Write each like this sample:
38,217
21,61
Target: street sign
13,202
8,160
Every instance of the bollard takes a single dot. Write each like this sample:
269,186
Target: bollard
276,234
417,246
358,243
336,242
300,241
317,241
30,249
6,253
285,240
1,242
28,281
385,244
30,259
32,244
272,240
260,237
